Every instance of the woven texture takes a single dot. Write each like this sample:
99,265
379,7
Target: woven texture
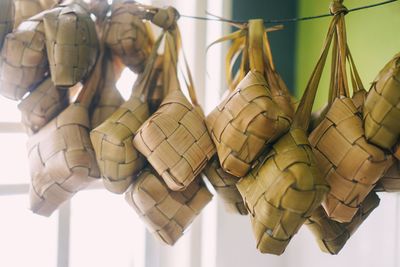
283,191
350,165
331,235
166,213
390,182
109,99
23,59
244,123
175,141
128,36
118,160
62,160
25,9
225,185
71,42
6,19
42,105
382,107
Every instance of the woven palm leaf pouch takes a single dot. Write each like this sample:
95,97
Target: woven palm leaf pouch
174,139
331,235
41,105
71,42
6,19
24,9
286,187
108,99
350,165
382,107
225,186
117,158
166,213
61,156
249,118
390,182
129,37
23,61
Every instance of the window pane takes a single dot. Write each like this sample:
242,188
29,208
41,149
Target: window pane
13,159
26,239
9,111
105,231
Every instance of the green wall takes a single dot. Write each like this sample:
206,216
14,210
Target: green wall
373,37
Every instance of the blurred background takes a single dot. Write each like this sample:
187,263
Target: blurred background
98,228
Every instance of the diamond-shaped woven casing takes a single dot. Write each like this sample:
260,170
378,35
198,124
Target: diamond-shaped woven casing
166,213
62,160
225,185
71,42
23,59
283,191
382,107
390,182
6,19
128,36
41,105
118,160
350,165
331,235
25,9
175,141
244,123
110,99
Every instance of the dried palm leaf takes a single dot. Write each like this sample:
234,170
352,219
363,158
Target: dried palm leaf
118,160
6,19
166,213
382,106
225,185
390,182
24,9
350,164
71,42
331,235
62,159
41,105
175,139
23,61
249,118
286,187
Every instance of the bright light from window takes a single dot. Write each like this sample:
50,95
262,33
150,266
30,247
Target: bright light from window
9,111
26,239
105,231
125,83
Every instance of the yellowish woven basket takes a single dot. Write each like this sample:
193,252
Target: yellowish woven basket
6,19
175,139
225,185
129,37
382,106
71,42
390,182
61,156
249,118
286,187
42,105
166,213
24,9
350,165
23,61
331,235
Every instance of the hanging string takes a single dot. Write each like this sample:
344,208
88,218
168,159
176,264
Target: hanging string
290,20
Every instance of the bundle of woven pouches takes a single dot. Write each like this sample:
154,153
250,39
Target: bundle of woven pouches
265,157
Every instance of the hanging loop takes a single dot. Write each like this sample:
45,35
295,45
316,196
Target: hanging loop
337,8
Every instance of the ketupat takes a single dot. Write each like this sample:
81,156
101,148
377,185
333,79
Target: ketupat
166,213
6,19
